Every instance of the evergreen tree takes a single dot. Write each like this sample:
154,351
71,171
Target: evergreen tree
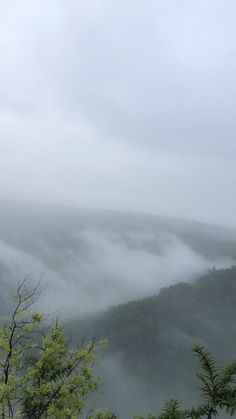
218,391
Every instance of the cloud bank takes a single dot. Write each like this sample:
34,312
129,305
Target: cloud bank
128,105
100,269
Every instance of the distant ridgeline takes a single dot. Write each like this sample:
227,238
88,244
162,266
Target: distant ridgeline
153,337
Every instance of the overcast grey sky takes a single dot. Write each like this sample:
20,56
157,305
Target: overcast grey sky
123,104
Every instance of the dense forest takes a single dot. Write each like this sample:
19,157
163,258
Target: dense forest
43,374
151,339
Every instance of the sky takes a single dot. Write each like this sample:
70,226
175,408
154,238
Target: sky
126,105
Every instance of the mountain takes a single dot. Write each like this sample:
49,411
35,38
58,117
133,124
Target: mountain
150,341
177,274
89,260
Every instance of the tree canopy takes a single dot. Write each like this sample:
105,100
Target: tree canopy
42,377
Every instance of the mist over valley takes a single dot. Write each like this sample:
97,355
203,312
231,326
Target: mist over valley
90,260
92,264
117,209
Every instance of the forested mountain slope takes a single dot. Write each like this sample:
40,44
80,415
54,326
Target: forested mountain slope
151,339
90,260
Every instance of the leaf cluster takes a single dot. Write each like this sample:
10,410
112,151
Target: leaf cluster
40,377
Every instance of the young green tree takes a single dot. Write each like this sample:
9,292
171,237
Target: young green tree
40,377
218,391
218,386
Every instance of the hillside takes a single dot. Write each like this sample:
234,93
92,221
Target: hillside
155,273
90,260
150,340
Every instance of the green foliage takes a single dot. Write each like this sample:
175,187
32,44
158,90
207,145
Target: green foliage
172,410
218,384
218,391
104,414
40,377
59,380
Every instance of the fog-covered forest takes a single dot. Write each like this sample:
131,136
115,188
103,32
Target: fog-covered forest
152,286
150,341
117,209
105,257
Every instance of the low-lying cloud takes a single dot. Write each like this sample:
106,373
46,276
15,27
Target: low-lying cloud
101,268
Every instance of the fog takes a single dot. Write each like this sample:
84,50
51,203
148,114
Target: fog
126,106
90,261
107,273
117,164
